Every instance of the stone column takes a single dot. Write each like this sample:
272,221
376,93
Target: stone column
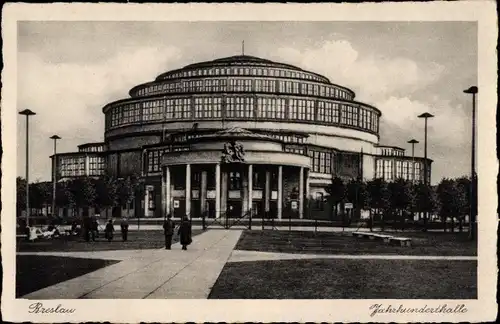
307,189
245,192
301,193
307,192
168,194
267,192
224,185
250,186
164,209
280,191
188,190
217,190
203,192
146,202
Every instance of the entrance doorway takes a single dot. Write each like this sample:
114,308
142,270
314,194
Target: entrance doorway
234,208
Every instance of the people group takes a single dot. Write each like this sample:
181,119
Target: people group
91,229
183,230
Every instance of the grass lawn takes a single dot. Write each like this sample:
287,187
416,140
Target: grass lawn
146,239
429,243
36,272
347,279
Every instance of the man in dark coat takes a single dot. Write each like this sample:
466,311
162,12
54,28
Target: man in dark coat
108,231
94,226
168,228
124,229
87,224
185,233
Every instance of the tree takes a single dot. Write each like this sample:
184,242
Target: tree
106,189
425,200
20,195
452,200
357,194
402,198
380,198
88,193
464,184
40,194
336,191
126,189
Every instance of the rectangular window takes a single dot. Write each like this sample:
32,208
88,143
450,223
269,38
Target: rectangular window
294,109
281,86
335,112
379,170
208,107
399,170
343,114
259,85
309,109
321,111
406,173
234,180
301,109
240,107
328,112
72,166
388,166
316,159
280,108
418,175
153,110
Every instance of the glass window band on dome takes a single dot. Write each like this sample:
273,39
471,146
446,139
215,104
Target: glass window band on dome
245,107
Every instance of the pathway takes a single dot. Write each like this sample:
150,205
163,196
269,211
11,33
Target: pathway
155,273
245,256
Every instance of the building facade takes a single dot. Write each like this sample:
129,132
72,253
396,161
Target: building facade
237,134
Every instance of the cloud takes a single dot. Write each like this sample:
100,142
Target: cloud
449,124
372,77
68,97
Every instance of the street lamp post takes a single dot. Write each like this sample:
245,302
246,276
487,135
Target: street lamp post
413,142
425,116
472,218
27,113
54,174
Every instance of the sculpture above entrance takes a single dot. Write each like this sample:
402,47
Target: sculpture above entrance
233,152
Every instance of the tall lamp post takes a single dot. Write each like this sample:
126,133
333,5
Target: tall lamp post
413,142
472,219
27,113
425,116
54,174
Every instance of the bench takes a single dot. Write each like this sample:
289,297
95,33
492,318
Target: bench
362,234
381,236
404,241
371,235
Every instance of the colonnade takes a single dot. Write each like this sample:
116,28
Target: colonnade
221,189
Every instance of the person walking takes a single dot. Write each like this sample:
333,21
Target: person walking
124,229
87,228
185,232
94,226
108,232
168,228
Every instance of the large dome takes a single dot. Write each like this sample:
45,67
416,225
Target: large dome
242,61
242,67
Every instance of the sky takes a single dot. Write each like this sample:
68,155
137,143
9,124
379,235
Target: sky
67,71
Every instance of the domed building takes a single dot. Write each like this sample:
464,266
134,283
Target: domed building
237,134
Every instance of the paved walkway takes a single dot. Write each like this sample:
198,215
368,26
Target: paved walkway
155,273
245,256
118,255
